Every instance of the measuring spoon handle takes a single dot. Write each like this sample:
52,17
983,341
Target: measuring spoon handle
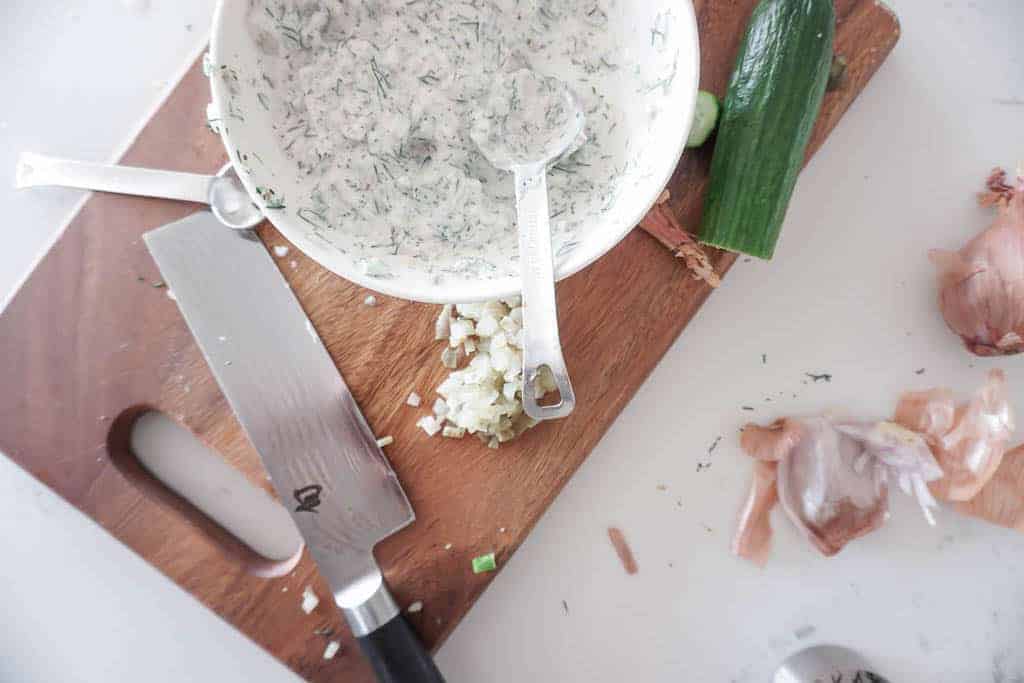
541,343
34,170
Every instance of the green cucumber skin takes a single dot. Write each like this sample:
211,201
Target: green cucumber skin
772,102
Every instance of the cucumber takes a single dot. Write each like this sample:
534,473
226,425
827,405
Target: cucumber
773,99
705,118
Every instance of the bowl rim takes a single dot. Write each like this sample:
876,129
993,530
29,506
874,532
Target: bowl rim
464,291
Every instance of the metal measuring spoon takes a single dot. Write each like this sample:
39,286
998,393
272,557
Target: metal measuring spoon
224,192
825,663
528,122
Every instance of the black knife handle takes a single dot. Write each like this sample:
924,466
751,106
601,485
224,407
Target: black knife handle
397,655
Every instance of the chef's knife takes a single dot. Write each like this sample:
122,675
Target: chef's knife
300,416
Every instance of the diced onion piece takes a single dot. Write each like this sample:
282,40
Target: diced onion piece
440,407
413,400
470,311
453,432
429,424
415,607
309,600
450,358
487,327
544,381
442,328
331,649
385,441
460,330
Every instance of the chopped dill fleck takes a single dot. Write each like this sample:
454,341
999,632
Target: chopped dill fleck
380,77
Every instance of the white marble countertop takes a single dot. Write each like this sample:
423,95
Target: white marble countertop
850,293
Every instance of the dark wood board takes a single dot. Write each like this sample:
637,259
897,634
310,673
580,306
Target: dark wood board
88,341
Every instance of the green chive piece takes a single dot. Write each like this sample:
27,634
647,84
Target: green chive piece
484,563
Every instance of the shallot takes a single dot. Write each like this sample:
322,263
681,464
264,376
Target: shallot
981,286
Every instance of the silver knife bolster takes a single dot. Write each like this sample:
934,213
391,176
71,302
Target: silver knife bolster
375,611
365,601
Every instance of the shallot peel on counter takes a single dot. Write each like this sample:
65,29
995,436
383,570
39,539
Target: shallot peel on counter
832,476
981,285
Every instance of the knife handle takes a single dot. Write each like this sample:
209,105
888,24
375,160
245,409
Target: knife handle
397,655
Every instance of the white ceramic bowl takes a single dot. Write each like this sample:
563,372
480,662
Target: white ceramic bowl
661,36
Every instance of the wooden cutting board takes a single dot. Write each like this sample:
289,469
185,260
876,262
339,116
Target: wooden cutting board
88,341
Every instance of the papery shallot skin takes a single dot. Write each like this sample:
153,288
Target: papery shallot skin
812,468
968,440
822,491
1001,500
981,286
832,476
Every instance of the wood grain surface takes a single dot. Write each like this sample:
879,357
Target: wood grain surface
88,341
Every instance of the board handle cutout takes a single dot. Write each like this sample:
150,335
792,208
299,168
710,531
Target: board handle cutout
170,464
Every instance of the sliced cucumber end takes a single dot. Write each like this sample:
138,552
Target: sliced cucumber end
705,118
739,245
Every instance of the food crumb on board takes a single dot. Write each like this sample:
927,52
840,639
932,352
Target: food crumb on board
414,400
280,251
447,546
484,563
309,600
385,441
293,264
284,589
623,550
170,295
370,300
331,649
415,607
324,631
501,530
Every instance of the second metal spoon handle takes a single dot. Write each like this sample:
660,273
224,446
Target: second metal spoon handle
36,169
541,344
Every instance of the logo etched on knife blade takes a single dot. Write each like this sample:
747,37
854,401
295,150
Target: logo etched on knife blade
308,498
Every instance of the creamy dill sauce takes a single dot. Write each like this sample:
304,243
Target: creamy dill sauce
528,119
374,102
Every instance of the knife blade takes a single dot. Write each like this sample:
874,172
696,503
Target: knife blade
300,416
